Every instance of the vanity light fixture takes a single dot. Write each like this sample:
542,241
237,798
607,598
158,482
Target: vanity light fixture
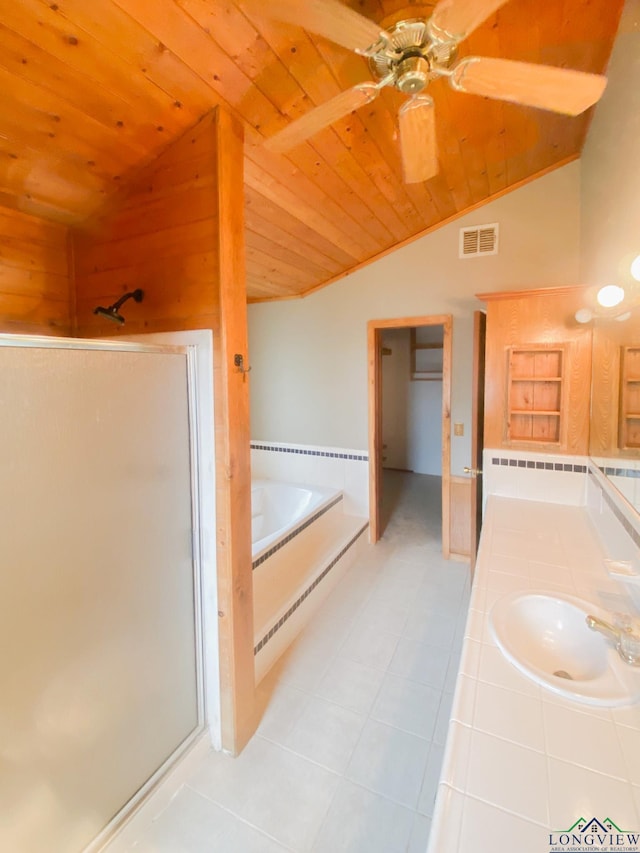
584,315
610,295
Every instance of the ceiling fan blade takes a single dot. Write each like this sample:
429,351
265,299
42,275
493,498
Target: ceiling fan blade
328,18
456,19
320,117
418,143
561,90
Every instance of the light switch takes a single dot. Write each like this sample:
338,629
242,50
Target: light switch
458,429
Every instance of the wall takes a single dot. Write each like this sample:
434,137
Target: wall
160,234
611,166
309,356
176,231
34,275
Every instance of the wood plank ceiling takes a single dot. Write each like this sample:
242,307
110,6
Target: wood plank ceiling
92,91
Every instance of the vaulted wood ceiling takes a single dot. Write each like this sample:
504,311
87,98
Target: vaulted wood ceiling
93,90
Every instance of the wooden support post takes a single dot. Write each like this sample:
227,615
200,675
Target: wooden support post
233,465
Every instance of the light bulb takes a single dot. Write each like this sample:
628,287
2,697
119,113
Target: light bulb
635,268
610,295
583,315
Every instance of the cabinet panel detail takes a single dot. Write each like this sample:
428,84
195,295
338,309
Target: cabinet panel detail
629,421
534,394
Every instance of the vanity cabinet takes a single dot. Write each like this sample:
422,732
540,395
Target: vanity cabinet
538,372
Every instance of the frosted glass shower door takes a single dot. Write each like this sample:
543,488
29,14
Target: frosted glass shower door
98,660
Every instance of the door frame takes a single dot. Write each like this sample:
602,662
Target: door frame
477,432
374,329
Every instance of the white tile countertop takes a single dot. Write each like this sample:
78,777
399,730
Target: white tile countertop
523,764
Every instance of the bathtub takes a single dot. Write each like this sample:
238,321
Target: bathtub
278,509
302,544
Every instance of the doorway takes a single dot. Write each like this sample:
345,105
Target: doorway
423,361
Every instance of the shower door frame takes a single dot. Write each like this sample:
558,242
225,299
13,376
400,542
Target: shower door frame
198,735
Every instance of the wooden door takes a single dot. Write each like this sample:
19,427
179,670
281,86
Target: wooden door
477,430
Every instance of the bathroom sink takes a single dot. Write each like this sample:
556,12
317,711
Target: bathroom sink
546,637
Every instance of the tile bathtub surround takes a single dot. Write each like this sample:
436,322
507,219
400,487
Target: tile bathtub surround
295,532
521,761
337,467
283,619
331,453
535,476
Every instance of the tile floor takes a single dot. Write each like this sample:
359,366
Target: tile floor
348,752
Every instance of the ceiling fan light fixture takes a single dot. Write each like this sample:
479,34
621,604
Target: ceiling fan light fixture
409,56
635,268
413,75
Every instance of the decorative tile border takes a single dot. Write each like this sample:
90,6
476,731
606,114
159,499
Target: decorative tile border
305,452
263,642
613,505
633,473
296,530
539,465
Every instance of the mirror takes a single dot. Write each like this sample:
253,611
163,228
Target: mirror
614,437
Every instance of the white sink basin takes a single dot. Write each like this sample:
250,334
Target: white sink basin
546,637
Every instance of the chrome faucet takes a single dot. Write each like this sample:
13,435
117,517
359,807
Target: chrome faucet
626,640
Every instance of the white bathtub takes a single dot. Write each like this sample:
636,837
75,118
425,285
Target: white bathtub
303,543
278,508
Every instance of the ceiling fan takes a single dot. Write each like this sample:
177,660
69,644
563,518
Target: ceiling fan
411,54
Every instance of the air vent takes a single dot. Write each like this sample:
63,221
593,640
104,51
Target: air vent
480,240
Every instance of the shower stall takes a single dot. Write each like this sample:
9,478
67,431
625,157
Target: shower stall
101,630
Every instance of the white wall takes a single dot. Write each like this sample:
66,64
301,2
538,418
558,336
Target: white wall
424,417
309,356
611,165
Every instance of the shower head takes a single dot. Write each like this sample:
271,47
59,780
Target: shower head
109,314
112,313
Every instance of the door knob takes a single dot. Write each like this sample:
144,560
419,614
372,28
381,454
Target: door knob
474,472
